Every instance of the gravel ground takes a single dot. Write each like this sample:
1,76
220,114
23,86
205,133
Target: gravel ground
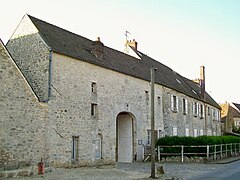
122,171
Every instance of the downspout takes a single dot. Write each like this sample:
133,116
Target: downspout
50,74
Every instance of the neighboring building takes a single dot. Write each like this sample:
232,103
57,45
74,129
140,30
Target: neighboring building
23,119
230,115
236,115
98,98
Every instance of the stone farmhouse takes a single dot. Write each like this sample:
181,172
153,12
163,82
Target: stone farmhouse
73,101
230,116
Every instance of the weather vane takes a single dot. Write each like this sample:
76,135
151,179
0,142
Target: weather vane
126,34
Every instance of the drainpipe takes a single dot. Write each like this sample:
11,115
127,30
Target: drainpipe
50,74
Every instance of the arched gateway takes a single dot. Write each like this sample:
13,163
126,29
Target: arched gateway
126,127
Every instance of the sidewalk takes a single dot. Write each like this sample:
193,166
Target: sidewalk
123,171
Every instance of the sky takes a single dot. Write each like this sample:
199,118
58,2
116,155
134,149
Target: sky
182,34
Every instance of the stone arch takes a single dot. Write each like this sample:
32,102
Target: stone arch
125,137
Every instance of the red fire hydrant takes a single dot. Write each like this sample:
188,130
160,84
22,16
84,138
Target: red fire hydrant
41,167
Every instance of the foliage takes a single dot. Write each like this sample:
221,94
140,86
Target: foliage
236,129
195,141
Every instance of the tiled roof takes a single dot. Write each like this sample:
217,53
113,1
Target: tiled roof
78,47
235,112
237,106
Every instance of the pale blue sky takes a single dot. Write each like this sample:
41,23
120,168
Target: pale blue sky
182,34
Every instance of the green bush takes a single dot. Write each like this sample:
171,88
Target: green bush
194,141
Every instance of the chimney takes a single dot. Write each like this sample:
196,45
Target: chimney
98,48
133,44
202,81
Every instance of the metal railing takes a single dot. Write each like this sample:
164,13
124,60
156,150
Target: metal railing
207,151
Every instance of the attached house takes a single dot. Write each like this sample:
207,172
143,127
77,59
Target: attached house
98,98
230,115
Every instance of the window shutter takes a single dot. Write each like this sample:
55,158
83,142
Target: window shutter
186,106
197,109
193,109
176,103
203,111
172,103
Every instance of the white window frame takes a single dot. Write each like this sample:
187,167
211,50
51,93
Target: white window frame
213,114
195,109
98,147
201,111
195,133
75,142
187,132
174,103
175,131
185,106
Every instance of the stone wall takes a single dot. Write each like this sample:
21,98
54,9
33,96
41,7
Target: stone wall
31,55
22,119
70,110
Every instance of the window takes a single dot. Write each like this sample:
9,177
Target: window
185,106
201,132
174,103
213,114
195,109
186,132
217,115
175,133
195,132
201,111
209,132
159,100
93,109
214,133
75,148
148,137
209,112
94,87
98,147
160,134
147,97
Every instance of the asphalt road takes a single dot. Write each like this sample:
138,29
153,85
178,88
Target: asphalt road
229,171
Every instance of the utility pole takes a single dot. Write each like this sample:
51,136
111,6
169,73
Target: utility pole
152,123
